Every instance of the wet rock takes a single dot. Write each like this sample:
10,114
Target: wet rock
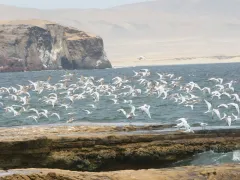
223,172
39,45
106,148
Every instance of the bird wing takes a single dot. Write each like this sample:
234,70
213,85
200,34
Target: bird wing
146,110
208,104
55,114
133,109
216,111
235,105
123,111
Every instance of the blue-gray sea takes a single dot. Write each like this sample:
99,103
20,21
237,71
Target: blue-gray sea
162,111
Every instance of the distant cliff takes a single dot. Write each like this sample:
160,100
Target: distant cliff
38,45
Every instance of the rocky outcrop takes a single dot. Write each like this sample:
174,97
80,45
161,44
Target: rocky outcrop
38,45
106,148
223,172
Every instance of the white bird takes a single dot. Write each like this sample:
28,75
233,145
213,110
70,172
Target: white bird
203,125
92,105
96,94
221,87
209,106
132,110
70,120
236,97
136,74
24,100
115,101
229,120
56,114
206,89
236,156
34,110
226,94
66,106
183,120
235,117
128,116
188,105
145,108
33,117
87,111
234,105
223,105
216,111
127,101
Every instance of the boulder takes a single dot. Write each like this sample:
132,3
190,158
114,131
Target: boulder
39,45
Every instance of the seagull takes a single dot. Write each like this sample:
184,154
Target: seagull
70,120
203,125
127,101
229,120
188,105
234,105
223,105
235,117
66,106
183,120
87,111
132,110
33,117
34,110
145,108
236,97
216,111
128,116
92,105
56,114
206,89
114,101
209,106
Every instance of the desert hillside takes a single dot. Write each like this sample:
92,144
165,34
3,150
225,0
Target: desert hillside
160,30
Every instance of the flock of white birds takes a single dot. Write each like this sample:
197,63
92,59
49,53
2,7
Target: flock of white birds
53,98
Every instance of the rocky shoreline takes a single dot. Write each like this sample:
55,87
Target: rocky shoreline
105,148
223,172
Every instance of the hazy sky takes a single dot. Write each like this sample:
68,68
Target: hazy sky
52,4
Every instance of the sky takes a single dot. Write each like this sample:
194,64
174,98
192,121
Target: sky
55,4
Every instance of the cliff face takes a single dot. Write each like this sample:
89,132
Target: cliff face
49,46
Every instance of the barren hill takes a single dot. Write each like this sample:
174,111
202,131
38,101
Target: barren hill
160,30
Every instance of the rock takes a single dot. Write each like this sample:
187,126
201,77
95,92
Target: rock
223,172
103,148
38,45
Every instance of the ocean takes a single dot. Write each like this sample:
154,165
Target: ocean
163,111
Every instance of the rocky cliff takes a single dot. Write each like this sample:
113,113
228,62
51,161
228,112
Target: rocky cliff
38,45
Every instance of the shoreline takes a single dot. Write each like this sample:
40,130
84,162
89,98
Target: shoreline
175,61
225,171
87,148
